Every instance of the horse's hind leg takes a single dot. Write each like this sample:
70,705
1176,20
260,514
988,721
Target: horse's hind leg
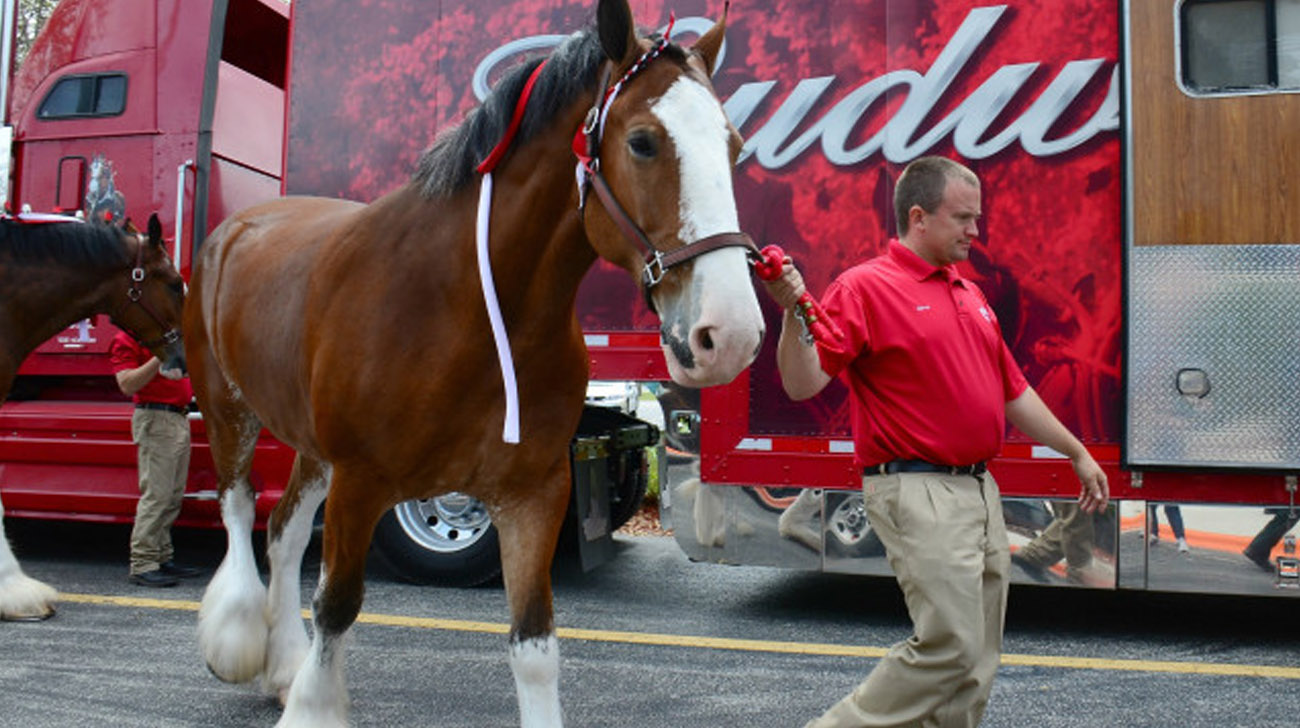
22,598
529,529
288,534
318,697
232,623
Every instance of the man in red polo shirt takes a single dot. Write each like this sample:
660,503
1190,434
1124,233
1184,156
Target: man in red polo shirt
933,386
161,433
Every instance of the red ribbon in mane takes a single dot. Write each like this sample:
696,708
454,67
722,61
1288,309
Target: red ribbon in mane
499,151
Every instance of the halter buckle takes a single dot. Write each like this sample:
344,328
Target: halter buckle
589,123
654,270
137,274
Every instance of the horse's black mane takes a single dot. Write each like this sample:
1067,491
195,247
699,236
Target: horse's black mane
89,245
449,164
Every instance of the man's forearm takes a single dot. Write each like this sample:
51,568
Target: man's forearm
800,367
131,381
1031,416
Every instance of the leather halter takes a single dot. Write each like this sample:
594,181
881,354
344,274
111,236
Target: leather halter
135,295
586,147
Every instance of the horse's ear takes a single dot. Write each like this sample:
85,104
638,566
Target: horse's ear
155,230
709,45
616,29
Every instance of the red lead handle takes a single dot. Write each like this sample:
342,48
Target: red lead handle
816,325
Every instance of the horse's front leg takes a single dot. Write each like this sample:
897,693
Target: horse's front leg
232,620
288,534
22,598
529,524
318,697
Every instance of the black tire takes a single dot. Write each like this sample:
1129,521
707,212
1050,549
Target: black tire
447,541
629,487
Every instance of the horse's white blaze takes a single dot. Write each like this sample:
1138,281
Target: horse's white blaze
287,642
319,697
536,667
232,620
725,325
21,597
691,115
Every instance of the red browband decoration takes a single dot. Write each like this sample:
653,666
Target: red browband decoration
499,151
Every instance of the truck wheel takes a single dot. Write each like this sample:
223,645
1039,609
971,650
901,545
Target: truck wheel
629,489
443,541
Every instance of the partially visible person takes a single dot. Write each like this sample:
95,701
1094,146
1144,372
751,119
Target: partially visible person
161,433
1261,547
933,385
1069,536
1175,515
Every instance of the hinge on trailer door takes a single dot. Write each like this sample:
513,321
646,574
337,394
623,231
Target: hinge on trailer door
1288,565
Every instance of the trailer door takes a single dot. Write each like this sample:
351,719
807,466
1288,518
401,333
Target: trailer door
1212,233
241,140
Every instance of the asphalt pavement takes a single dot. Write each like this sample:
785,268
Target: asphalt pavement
649,640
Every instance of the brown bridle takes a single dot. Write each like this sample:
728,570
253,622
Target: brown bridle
586,146
135,295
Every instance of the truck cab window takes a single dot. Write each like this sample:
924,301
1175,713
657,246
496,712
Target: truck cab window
82,96
1236,46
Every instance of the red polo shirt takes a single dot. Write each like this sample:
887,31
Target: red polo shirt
924,358
126,353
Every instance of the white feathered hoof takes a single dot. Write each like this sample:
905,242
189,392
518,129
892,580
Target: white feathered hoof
318,697
232,626
24,599
282,663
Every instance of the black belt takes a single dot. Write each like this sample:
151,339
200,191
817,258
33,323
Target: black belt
161,406
921,466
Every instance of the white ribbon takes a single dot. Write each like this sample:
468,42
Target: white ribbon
510,429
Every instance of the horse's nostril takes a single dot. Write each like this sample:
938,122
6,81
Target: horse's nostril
706,341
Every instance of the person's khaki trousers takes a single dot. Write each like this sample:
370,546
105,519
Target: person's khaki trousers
1069,536
162,442
947,543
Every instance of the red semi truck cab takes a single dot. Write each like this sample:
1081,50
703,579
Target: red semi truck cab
121,110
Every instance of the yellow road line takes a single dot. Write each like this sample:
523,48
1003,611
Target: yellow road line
742,645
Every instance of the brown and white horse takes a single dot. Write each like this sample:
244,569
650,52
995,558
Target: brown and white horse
401,362
53,273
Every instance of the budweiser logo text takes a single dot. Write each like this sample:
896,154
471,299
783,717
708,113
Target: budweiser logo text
777,141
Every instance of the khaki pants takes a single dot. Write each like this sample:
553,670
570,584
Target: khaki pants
163,457
1069,536
947,544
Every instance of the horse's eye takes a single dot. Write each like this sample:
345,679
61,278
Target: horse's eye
642,145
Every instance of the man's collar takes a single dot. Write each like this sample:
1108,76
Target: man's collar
916,266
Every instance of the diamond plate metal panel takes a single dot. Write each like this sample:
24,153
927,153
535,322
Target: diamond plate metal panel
1231,312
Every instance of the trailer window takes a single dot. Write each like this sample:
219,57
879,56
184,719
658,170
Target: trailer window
82,96
1240,46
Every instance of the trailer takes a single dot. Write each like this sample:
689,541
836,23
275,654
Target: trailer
1140,243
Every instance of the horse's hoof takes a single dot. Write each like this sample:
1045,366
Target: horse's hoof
217,675
49,613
